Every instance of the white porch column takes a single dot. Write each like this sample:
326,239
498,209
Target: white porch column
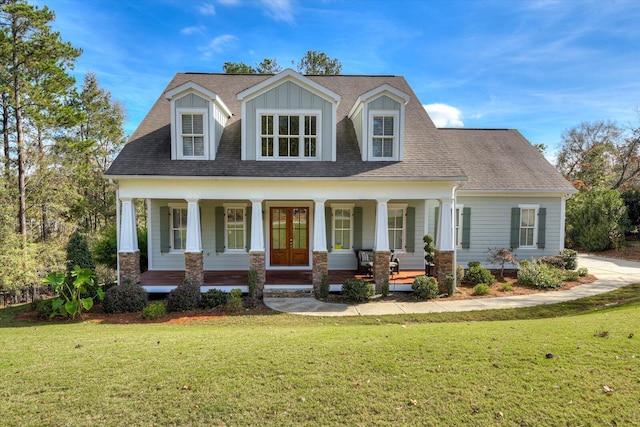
194,237
257,230
319,227
381,238
128,233
446,226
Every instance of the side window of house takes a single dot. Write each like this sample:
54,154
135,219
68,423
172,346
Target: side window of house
289,136
178,228
192,134
235,228
397,228
527,226
459,225
342,228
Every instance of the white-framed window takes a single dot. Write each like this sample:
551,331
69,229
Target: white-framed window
289,135
459,210
235,225
342,227
384,135
528,225
178,225
397,225
192,133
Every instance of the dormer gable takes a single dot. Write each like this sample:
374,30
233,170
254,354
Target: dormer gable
288,117
378,117
198,118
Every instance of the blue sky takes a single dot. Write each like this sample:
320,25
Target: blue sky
538,66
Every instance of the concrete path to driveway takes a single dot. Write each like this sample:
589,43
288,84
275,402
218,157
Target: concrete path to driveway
611,274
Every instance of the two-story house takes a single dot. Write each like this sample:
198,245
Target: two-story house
292,172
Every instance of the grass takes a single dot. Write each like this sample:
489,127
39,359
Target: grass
289,370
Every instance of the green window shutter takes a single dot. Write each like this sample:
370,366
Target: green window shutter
515,228
357,228
542,227
165,245
219,229
247,220
436,216
466,228
327,227
411,229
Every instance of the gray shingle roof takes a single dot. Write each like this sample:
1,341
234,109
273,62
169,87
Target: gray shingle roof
491,159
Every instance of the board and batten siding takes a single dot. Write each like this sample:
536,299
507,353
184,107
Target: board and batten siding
211,259
192,100
384,103
286,96
491,226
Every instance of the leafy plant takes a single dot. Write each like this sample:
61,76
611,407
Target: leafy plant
153,311
554,261
325,286
213,298
450,282
571,276
384,291
481,289
125,298
234,300
429,249
506,287
570,258
539,275
460,272
478,274
253,282
71,300
425,287
184,298
502,256
357,290
471,264
583,271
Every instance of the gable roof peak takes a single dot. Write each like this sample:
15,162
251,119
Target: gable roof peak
284,76
190,86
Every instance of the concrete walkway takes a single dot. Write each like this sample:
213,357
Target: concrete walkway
611,274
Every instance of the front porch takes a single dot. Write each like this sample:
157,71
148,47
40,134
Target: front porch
164,281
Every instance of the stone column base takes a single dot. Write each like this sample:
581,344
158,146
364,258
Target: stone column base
380,268
444,266
320,269
193,268
257,262
129,267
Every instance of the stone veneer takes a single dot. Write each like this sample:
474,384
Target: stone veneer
444,266
194,268
380,268
320,268
129,266
257,262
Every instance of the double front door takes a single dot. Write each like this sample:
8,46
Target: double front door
289,236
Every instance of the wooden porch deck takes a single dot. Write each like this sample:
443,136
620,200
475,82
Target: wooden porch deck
274,277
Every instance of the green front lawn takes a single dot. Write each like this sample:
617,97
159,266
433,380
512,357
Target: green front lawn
289,370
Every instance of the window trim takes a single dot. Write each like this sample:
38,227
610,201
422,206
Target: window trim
534,244
301,113
404,207
178,132
396,134
335,206
459,209
242,206
172,246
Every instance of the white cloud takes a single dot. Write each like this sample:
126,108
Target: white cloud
444,115
207,9
218,45
192,30
279,10
228,2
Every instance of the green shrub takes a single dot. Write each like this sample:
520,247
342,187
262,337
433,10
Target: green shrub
460,272
539,275
425,287
253,282
184,298
554,261
234,300
385,289
213,298
505,287
153,311
125,298
478,274
44,308
357,290
473,264
325,286
570,258
583,271
450,282
481,289
78,254
571,276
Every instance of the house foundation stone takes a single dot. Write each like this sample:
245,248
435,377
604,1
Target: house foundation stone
380,268
129,266
257,262
444,266
320,269
193,268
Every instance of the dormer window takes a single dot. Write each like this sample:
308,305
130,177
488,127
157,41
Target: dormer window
384,135
192,135
286,136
